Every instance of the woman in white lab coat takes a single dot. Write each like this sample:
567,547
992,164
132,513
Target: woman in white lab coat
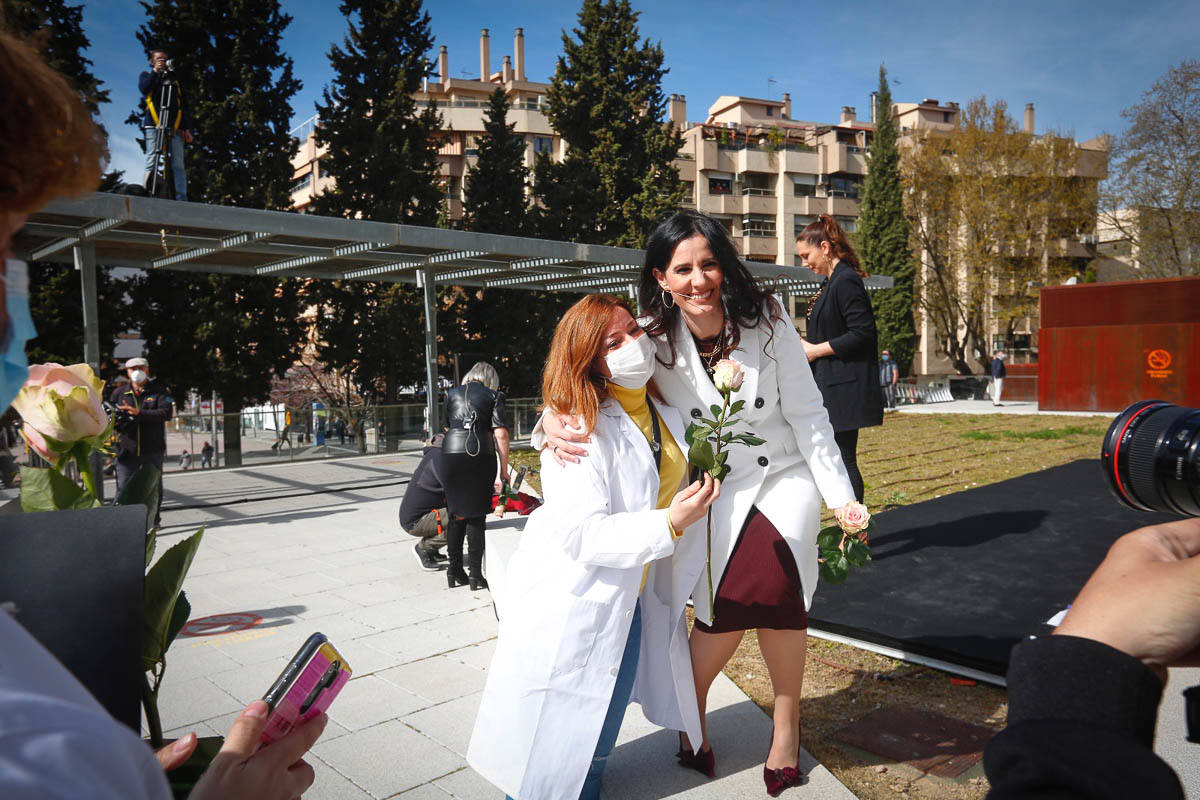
701,305
590,618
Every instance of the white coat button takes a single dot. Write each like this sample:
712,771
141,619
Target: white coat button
628,615
612,671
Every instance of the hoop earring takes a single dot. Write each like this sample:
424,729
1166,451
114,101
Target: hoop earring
665,296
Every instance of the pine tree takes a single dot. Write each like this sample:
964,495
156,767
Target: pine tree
56,28
382,154
217,332
382,151
883,234
495,193
606,101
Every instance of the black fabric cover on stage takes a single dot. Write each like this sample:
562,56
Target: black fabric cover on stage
964,577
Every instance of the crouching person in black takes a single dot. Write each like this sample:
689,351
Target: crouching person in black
145,405
423,509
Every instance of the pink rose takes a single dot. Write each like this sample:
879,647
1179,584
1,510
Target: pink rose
60,406
728,375
853,517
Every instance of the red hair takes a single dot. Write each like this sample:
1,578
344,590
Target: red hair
568,385
825,229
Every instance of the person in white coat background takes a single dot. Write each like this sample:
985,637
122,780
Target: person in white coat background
701,305
590,619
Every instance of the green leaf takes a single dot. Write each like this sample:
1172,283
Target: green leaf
829,538
701,454
857,553
722,457
711,423
719,472
151,542
689,435
164,582
142,488
716,411
834,568
45,489
752,440
726,438
179,618
737,406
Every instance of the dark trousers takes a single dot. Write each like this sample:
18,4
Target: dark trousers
847,442
129,463
889,395
471,530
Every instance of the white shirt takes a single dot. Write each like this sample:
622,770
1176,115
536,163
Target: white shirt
56,740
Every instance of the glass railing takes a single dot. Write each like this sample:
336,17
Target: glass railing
756,191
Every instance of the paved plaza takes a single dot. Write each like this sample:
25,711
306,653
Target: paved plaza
337,562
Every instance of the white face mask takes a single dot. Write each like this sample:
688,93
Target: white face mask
138,377
632,364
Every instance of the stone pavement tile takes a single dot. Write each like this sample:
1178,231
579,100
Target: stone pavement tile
387,616
428,791
298,566
224,722
388,758
246,683
411,643
182,703
331,784
478,656
449,724
366,660
437,679
321,604
201,729
451,601
349,557
337,628
194,658
308,583
371,570
260,644
466,784
371,594
369,700
466,627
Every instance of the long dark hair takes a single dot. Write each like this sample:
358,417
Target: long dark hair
742,299
825,229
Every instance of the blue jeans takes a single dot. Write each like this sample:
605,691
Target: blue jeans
176,145
616,709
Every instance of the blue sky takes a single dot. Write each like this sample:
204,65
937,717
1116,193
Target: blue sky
1080,63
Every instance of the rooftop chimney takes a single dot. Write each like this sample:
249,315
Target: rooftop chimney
519,53
677,111
485,56
847,114
787,105
443,65
1029,118
506,71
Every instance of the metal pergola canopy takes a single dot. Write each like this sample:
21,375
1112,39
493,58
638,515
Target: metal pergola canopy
154,234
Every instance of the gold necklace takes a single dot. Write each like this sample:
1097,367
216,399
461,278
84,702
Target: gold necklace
710,356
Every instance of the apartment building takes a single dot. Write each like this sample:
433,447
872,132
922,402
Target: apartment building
462,102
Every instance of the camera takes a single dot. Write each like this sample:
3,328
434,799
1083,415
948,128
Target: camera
123,421
1151,457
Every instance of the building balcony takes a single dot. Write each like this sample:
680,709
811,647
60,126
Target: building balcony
759,244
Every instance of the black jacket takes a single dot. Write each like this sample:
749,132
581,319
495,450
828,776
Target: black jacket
424,492
147,432
849,379
998,370
1081,719
150,88
472,411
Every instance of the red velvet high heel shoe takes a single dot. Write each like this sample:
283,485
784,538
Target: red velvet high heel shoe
777,780
703,762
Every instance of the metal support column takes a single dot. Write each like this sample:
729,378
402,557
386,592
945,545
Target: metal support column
428,280
85,262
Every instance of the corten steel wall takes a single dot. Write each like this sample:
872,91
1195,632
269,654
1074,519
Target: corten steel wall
1021,383
1103,346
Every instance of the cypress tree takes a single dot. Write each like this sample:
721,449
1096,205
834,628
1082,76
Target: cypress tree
495,192
883,234
223,333
606,101
382,153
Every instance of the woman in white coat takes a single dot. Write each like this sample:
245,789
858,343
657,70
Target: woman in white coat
701,305
590,617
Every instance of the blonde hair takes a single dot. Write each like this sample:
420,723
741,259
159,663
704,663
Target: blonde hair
49,143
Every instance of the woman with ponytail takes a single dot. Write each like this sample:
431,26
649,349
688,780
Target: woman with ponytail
841,341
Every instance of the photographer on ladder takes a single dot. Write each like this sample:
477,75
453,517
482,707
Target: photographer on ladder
166,123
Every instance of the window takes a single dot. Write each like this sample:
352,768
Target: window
720,186
848,224
804,185
543,144
843,186
770,111
472,146
802,221
302,183
758,225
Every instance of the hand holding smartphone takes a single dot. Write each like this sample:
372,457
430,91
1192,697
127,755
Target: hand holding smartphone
305,688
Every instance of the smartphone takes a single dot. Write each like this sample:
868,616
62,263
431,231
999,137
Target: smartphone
305,688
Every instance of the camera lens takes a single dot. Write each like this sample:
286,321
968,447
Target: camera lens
1151,457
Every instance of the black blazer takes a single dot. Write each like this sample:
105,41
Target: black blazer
849,379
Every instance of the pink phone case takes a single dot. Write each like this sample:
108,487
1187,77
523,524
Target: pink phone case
308,686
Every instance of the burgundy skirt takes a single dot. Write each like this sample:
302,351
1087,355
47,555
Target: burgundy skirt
761,585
